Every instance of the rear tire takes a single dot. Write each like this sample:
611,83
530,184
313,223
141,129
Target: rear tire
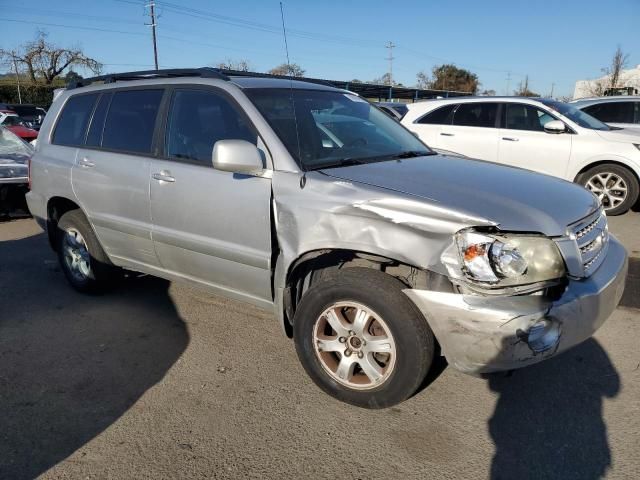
81,257
616,187
375,362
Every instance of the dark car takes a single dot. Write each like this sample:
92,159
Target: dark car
395,110
30,113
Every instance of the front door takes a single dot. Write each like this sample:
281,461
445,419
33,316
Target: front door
525,144
210,226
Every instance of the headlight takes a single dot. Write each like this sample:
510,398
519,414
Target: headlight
508,260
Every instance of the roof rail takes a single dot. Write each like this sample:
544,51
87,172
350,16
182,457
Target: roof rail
204,72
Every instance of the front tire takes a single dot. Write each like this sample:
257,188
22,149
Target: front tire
81,257
362,340
615,186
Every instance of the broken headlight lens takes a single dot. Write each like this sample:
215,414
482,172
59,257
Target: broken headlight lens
506,260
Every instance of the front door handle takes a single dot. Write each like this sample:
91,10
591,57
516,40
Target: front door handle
446,134
85,162
163,176
510,139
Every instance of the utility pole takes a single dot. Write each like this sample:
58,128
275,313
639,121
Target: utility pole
390,46
15,68
152,13
552,87
508,83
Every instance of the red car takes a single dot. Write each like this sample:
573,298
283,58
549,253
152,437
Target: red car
11,121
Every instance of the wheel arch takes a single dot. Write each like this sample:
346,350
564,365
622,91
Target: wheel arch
614,161
56,207
313,266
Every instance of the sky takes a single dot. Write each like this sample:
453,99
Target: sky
555,43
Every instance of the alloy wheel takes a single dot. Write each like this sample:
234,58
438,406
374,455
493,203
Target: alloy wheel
610,188
76,254
354,345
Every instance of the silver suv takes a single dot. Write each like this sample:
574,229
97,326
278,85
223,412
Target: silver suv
374,252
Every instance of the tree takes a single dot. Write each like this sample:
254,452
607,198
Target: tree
44,62
523,89
288,69
488,93
355,80
72,76
241,65
449,77
384,80
423,80
612,73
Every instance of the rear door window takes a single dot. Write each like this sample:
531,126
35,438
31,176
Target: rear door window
72,124
94,136
476,115
612,112
131,120
440,116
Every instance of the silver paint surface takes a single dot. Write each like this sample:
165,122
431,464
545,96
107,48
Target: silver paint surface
482,334
214,228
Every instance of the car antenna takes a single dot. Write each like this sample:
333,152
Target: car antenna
303,180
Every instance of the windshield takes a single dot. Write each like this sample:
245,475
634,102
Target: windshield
329,128
11,146
578,116
13,121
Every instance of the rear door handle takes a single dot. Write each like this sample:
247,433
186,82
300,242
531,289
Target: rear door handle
510,139
85,162
163,176
445,134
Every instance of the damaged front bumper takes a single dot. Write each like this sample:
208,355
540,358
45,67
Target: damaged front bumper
481,334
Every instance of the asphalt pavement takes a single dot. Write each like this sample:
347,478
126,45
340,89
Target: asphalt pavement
161,380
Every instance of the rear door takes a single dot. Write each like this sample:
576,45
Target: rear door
429,126
210,226
112,170
525,144
473,131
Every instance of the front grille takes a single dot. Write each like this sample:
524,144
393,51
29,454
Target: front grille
592,238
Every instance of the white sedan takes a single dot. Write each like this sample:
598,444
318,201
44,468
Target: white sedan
537,134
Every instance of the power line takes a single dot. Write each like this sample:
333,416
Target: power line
48,24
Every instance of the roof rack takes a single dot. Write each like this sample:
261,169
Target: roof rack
205,72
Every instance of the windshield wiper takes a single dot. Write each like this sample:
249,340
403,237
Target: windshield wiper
411,154
340,162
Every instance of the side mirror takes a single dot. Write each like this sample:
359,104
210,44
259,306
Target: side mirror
555,126
237,156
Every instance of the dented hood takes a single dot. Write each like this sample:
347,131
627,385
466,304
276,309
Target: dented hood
514,199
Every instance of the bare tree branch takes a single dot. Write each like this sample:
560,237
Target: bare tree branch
44,62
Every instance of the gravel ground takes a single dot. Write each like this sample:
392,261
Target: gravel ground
158,380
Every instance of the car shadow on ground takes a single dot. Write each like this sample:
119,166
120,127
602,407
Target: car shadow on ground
71,364
548,420
631,296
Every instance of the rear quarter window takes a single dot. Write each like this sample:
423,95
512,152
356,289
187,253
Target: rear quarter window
440,116
72,123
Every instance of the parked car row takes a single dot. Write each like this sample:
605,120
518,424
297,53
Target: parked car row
373,251
14,157
542,135
22,119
